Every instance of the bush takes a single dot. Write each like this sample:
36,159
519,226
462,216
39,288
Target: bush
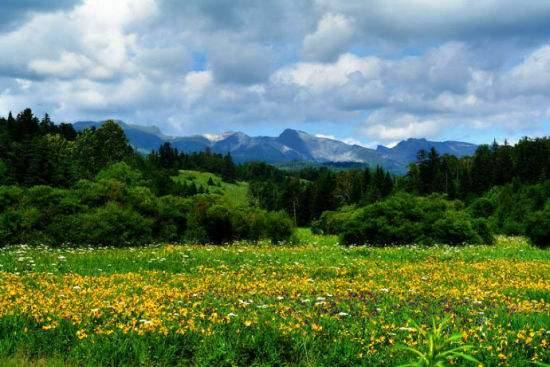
332,222
249,224
10,196
212,221
482,208
217,224
538,227
279,227
115,210
123,173
482,228
406,219
111,225
514,204
171,218
455,228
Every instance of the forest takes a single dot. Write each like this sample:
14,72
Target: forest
60,186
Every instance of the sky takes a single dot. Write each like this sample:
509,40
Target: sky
363,71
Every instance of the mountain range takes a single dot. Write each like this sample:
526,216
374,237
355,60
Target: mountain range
291,146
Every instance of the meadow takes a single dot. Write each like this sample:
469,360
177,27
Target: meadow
231,193
314,304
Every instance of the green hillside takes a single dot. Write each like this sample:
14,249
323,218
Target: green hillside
234,193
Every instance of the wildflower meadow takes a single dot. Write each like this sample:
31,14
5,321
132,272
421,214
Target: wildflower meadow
312,304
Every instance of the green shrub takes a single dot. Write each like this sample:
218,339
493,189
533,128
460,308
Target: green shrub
20,226
10,196
94,194
211,221
455,228
514,205
111,225
171,218
142,200
217,224
406,219
538,227
121,172
482,208
279,227
482,228
249,224
332,222
113,210
3,172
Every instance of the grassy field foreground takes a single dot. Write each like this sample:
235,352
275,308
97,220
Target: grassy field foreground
316,304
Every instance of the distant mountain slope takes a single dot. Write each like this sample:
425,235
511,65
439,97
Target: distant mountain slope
292,146
407,150
143,138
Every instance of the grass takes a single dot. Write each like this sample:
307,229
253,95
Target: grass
234,193
308,305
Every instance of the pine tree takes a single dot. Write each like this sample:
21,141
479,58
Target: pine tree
46,125
482,169
228,170
27,125
503,164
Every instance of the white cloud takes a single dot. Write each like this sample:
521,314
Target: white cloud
210,66
320,77
196,84
68,65
246,64
531,76
331,38
387,127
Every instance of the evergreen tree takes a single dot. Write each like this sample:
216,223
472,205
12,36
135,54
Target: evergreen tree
27,125
67,131
503,169
97,149
168,156
228,171
46,125
482,169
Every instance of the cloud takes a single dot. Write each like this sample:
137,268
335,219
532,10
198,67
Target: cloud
531,76
321,77
15,12
407,20
331,38
248,64
373,72
196,84
388,126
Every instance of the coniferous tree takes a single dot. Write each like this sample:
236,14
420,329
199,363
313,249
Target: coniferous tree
503,170
482,169
46,125
228,171
27,125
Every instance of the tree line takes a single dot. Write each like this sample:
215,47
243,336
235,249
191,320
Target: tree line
527,162
91,187
500,189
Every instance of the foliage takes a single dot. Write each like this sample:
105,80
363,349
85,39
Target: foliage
527,162
406,219
438,349
115,209
332,222
279,227
516,209
314,304
538,227
111,224
505,187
